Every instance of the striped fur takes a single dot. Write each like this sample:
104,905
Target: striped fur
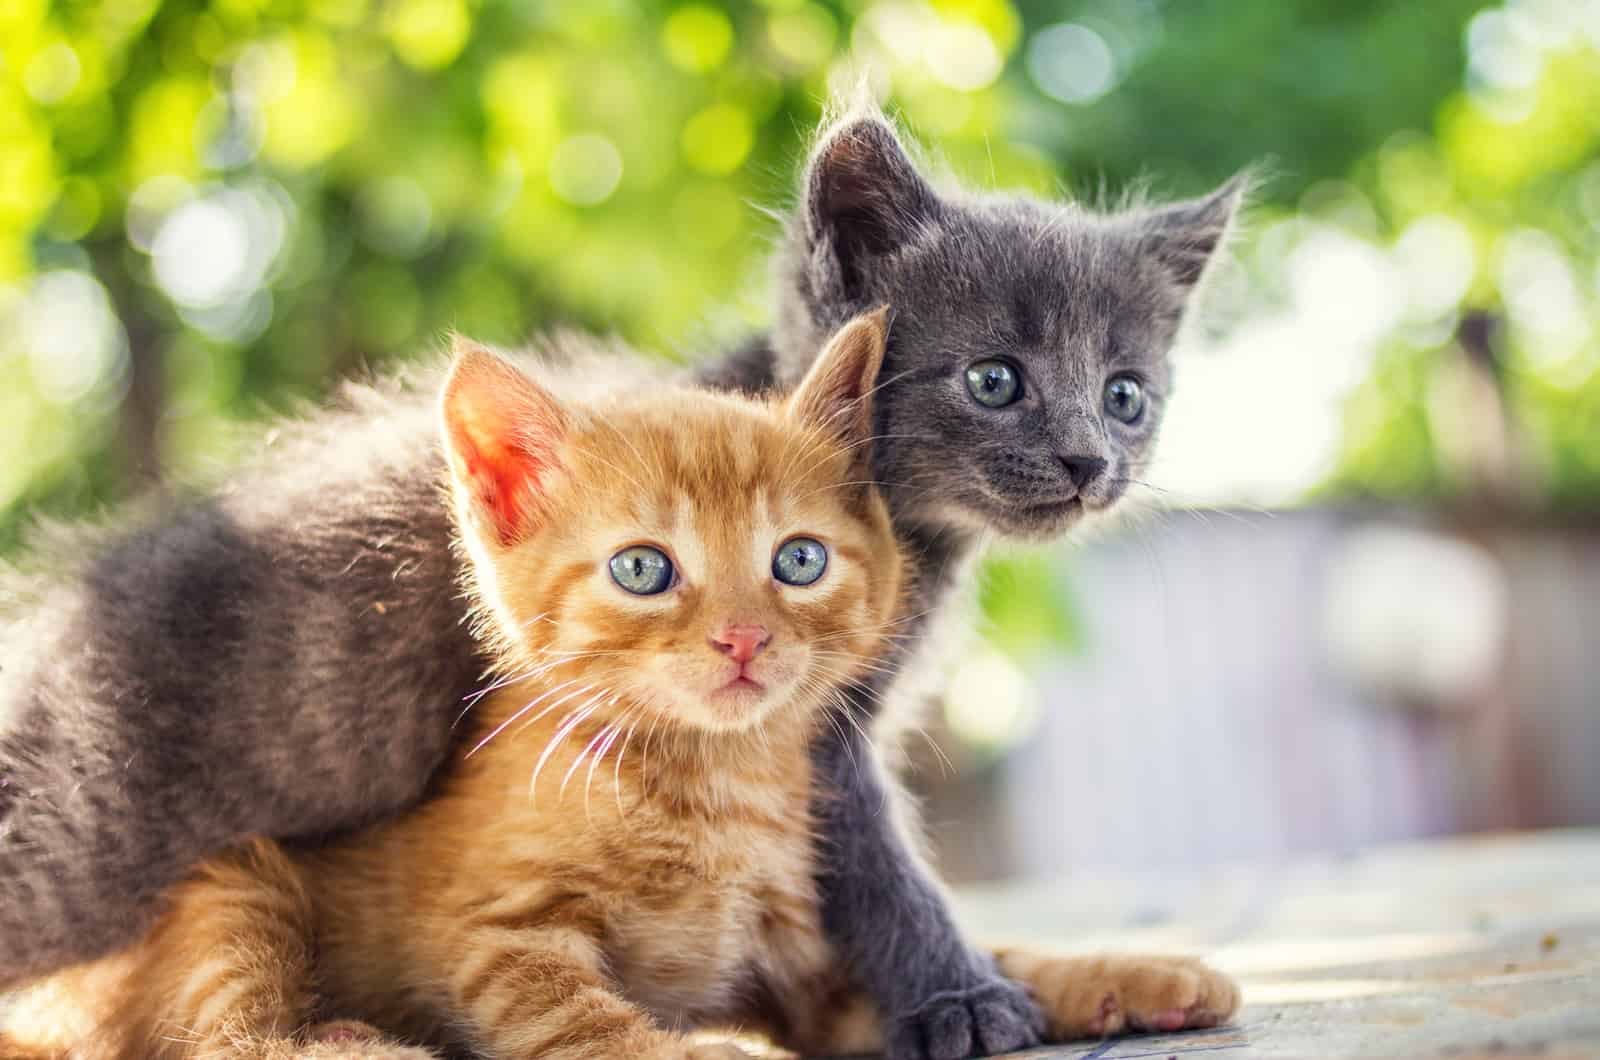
618,853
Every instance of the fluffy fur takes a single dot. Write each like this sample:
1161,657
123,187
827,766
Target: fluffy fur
512,917
192,682
286,658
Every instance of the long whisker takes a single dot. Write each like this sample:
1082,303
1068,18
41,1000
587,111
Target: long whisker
578,761
612,731
810,443
644,764
849,446
836,705
498,729
857,663
570,722
946,767
616,772
574,694
589,653
528,673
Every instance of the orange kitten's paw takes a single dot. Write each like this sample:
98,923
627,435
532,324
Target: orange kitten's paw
353,1040
1087,997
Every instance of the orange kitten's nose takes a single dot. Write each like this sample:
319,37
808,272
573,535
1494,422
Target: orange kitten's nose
741,643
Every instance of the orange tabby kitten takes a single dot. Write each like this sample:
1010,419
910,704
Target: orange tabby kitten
677,584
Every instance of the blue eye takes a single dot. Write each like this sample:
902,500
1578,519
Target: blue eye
1125,399
800,561
994,384
642,570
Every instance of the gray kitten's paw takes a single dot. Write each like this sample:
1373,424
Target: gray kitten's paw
995,1017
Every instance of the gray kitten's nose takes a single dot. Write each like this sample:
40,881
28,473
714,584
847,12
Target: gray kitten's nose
1081,469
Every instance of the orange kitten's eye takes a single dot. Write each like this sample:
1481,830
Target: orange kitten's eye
642,570
800,561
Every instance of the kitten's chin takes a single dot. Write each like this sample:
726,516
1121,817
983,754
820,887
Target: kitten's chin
1016,518
1027,519
737,706
740,703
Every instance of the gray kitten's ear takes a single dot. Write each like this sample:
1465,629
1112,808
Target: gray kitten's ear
864,197
1185,235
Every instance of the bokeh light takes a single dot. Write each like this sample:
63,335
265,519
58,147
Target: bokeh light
288,193
1072,63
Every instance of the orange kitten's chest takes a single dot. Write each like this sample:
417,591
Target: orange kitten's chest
701,918
697,902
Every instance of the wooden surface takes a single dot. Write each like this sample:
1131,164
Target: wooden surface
1483,946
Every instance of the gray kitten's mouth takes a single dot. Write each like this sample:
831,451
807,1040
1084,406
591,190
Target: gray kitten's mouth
1033,517
1052,509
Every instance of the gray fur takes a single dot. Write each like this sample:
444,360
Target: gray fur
1070,295
1072,298
287,657
282,658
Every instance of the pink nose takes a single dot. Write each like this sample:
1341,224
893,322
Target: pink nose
741,643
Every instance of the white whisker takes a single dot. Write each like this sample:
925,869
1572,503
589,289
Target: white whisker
570,722
498,729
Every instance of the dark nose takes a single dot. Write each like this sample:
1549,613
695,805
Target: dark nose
741,643
1082,469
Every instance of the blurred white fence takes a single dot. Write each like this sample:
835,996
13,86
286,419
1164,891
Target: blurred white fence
1257,685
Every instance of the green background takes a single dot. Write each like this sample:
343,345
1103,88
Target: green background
394,169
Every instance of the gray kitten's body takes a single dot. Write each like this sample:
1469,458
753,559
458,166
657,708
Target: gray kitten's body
287,658
247,664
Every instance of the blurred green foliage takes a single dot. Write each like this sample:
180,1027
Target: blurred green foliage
1022,596
208,207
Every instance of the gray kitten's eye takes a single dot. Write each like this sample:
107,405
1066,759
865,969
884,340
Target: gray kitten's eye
1124,399
800,561
642,570
994,383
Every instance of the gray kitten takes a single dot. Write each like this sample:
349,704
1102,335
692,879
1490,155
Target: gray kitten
1027,371
286,658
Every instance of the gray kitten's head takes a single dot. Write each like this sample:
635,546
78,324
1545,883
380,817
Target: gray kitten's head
1028,366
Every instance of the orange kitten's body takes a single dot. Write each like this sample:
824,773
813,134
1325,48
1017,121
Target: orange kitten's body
691,886
623,850
688,881
624,847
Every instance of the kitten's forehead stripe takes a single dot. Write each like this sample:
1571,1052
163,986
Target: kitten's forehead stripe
562,583
852,554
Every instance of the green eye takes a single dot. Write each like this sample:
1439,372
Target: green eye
994,383
800,561
1124,399
642,570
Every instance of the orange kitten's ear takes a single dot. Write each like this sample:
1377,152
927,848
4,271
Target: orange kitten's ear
836,394
501,431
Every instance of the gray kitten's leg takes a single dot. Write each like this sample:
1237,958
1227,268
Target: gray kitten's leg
942,998
883,912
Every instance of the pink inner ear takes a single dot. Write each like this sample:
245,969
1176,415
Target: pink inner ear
502,431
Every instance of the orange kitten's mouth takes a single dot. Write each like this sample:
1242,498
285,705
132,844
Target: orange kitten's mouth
741,682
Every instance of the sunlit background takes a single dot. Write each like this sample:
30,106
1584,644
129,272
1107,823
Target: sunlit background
1364,601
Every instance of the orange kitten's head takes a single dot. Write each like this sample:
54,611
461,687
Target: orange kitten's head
705,558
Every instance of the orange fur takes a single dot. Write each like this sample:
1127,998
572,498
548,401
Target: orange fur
1105,994
622,850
